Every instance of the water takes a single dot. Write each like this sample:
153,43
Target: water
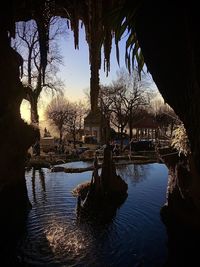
134,235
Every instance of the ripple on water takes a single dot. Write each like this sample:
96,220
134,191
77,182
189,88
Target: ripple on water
54,237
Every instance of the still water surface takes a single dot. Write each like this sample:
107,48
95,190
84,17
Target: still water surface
134,235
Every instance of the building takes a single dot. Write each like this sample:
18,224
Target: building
47,144
92,125
146,129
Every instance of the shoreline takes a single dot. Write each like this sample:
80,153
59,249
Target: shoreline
46,162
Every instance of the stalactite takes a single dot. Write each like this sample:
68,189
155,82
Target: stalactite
42,18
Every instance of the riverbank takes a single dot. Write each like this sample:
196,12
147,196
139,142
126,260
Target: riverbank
49,161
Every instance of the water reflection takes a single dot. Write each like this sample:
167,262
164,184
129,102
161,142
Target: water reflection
32,249
38,173
133,172
33,185
42,179
101,215
131,232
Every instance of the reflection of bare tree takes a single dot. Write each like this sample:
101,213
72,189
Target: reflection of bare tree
42,179
42,182
33,185
135,173
41,176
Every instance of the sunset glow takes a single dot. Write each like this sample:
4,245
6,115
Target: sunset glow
25,110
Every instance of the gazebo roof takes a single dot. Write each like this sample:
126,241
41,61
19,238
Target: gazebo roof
146,122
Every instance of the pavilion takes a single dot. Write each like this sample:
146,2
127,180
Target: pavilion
146,129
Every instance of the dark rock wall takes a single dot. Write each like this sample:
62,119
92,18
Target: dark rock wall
169,38
15,138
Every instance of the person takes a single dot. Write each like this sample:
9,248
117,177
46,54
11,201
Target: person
116,150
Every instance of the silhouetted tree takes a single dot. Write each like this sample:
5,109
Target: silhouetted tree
66,116
27,42
165,117
105,102
122,99
75,122
58,113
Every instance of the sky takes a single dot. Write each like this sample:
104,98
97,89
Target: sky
75,71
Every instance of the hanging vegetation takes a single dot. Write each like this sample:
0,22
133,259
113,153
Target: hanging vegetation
102,20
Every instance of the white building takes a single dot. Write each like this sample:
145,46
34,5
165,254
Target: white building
92,125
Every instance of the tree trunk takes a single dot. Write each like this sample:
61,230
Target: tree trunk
105,129
95,53
121,139
34,110
15,138
130,128
107,123
94,81
74,138
33,99
60,137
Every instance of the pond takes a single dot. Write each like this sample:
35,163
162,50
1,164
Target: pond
134,235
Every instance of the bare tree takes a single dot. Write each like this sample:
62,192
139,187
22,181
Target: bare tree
119,112
66,116
165,117
167,120
58,112
75,123
122,99
105,102
136,97
82,109
27,43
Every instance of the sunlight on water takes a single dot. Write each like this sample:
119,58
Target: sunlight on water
133,234
64,240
